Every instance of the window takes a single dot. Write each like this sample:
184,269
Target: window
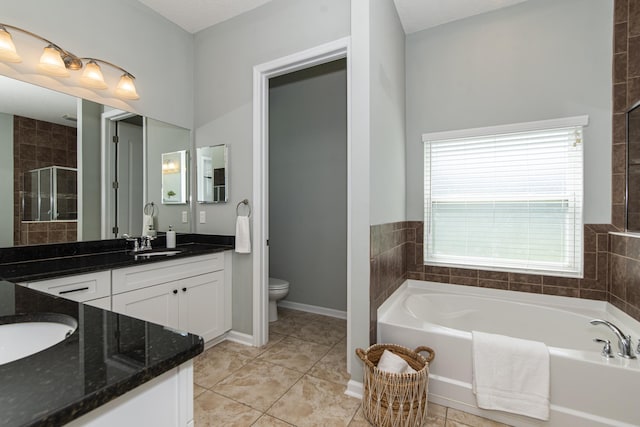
506,198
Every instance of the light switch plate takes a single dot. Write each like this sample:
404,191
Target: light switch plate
185,218
203,217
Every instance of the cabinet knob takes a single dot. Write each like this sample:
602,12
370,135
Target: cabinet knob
175,291
184,289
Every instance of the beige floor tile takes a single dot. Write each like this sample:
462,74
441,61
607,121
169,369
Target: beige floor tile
295,354
211,409
464,418
197,390
318,332
215,365
333,366
235,347
435,410
359,420
258,384
269,421
284,325
315,402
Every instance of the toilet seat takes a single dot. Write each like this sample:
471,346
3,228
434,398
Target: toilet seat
277,284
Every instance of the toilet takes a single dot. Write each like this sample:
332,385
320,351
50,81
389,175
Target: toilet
278,289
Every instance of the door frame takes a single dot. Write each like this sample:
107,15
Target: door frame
107,165
324,53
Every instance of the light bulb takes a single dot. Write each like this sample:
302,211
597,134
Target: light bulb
126,88
51,63
92,76
7,48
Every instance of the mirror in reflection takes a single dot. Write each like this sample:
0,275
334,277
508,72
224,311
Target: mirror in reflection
174,177
213,174
633,168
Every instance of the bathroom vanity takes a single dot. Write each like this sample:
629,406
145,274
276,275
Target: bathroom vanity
128,357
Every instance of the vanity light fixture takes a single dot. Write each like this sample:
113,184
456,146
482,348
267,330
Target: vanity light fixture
56,61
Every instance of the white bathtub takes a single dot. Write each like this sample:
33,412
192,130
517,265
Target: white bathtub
586,389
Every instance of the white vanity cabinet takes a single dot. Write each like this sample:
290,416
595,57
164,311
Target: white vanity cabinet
92,288
191,294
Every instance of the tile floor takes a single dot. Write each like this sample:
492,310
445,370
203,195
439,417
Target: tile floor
297,379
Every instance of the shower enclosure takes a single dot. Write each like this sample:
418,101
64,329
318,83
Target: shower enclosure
50,194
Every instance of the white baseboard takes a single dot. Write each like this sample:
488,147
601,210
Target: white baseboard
354,389
313,309
239,337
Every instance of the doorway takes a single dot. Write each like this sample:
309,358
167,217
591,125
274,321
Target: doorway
307,194
123,174
262,73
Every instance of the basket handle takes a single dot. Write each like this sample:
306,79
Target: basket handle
362,355
429,350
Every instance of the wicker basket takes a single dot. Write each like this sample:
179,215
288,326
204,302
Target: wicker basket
395,399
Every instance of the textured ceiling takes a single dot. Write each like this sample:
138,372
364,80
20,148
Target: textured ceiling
196,15
416,15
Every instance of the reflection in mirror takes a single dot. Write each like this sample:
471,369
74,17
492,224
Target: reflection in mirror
213,174
633,168
174,177
39,131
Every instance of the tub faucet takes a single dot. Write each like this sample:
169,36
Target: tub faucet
624,341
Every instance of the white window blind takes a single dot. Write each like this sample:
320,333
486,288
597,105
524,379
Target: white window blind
506,200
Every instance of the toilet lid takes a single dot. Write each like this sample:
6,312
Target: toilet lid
277,283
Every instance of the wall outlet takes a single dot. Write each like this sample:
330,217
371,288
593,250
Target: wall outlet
185,218
203,217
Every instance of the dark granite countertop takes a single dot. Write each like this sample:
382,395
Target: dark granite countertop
30,263
108,355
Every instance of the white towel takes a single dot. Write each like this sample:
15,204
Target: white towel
147,220
391,362
511,374
243,239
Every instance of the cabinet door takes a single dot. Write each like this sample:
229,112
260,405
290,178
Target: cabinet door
157,304
202,309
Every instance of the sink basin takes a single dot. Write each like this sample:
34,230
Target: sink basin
156,253
24,335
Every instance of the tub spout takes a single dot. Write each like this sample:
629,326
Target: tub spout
624,341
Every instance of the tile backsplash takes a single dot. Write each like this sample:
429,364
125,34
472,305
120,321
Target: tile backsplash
611,269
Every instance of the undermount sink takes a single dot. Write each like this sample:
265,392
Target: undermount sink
24,335
156,253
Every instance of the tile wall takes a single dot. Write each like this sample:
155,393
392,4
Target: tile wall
39,144
626,93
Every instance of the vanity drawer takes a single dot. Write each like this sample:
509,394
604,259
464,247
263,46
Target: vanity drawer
156,273
79,288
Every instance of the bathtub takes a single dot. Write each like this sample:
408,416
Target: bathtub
586,388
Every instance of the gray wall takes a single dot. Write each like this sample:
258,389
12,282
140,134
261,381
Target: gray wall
6,179
89,169
225,55
533,61
387,92
127,33
308,184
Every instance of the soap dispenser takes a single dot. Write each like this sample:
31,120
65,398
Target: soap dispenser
171,238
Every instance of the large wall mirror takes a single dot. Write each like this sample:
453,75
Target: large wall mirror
213,174
633,168
71,169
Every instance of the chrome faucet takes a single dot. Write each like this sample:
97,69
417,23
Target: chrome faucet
624,341
144,244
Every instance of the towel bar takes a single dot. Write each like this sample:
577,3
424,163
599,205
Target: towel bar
243,202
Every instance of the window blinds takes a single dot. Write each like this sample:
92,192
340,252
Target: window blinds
506,201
